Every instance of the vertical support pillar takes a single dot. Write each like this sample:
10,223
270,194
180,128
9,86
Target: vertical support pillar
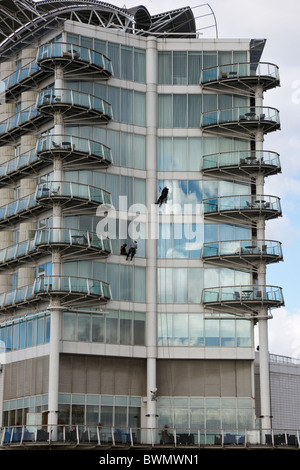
151,242
55,304
265,402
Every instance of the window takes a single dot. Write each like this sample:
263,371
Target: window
180,241
179,153
179,110
179,67
113,327
177,285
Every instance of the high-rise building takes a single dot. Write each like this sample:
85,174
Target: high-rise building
101,109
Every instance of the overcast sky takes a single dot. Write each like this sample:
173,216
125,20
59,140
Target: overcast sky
276,21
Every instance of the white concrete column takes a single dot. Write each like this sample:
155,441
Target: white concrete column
54,365
265,401
27,229
151,242
6,196
7,68
55,304
28,99
28,55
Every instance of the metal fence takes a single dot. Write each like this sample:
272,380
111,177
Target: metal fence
134,437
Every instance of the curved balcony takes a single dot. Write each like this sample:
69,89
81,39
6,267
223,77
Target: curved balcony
74,151
68,288
26,120
72,289
241,120
74,59
72,196
23,79
15,168
243,207
70,241
246,297
18,209
242,251
239,162
74,105
242,76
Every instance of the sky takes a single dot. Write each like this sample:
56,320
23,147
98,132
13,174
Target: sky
277,22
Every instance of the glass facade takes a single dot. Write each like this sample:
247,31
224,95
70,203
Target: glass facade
173,159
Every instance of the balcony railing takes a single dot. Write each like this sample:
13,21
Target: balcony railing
69,288
20,123
267,250
84,435
242,119
23,78
242,161
73,286
74,58
16,167
70,240
74,104
72,191
243,206
71,194
242,74
252,296
74,149
19,208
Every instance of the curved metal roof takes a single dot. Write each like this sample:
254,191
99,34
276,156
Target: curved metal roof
23,20
20,18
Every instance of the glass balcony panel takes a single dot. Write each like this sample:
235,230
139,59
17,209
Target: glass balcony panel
244,294
229,248
244,202
106,290
24,72
10,298
32,201
23,204
96,195
211,295
10,253
12,208
209,75
94,287
211,249
33,157
96,241
74,52
85,54
2,255
12,165
3,127
23,160
13,121
240,70
243,247
77,284
3,169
